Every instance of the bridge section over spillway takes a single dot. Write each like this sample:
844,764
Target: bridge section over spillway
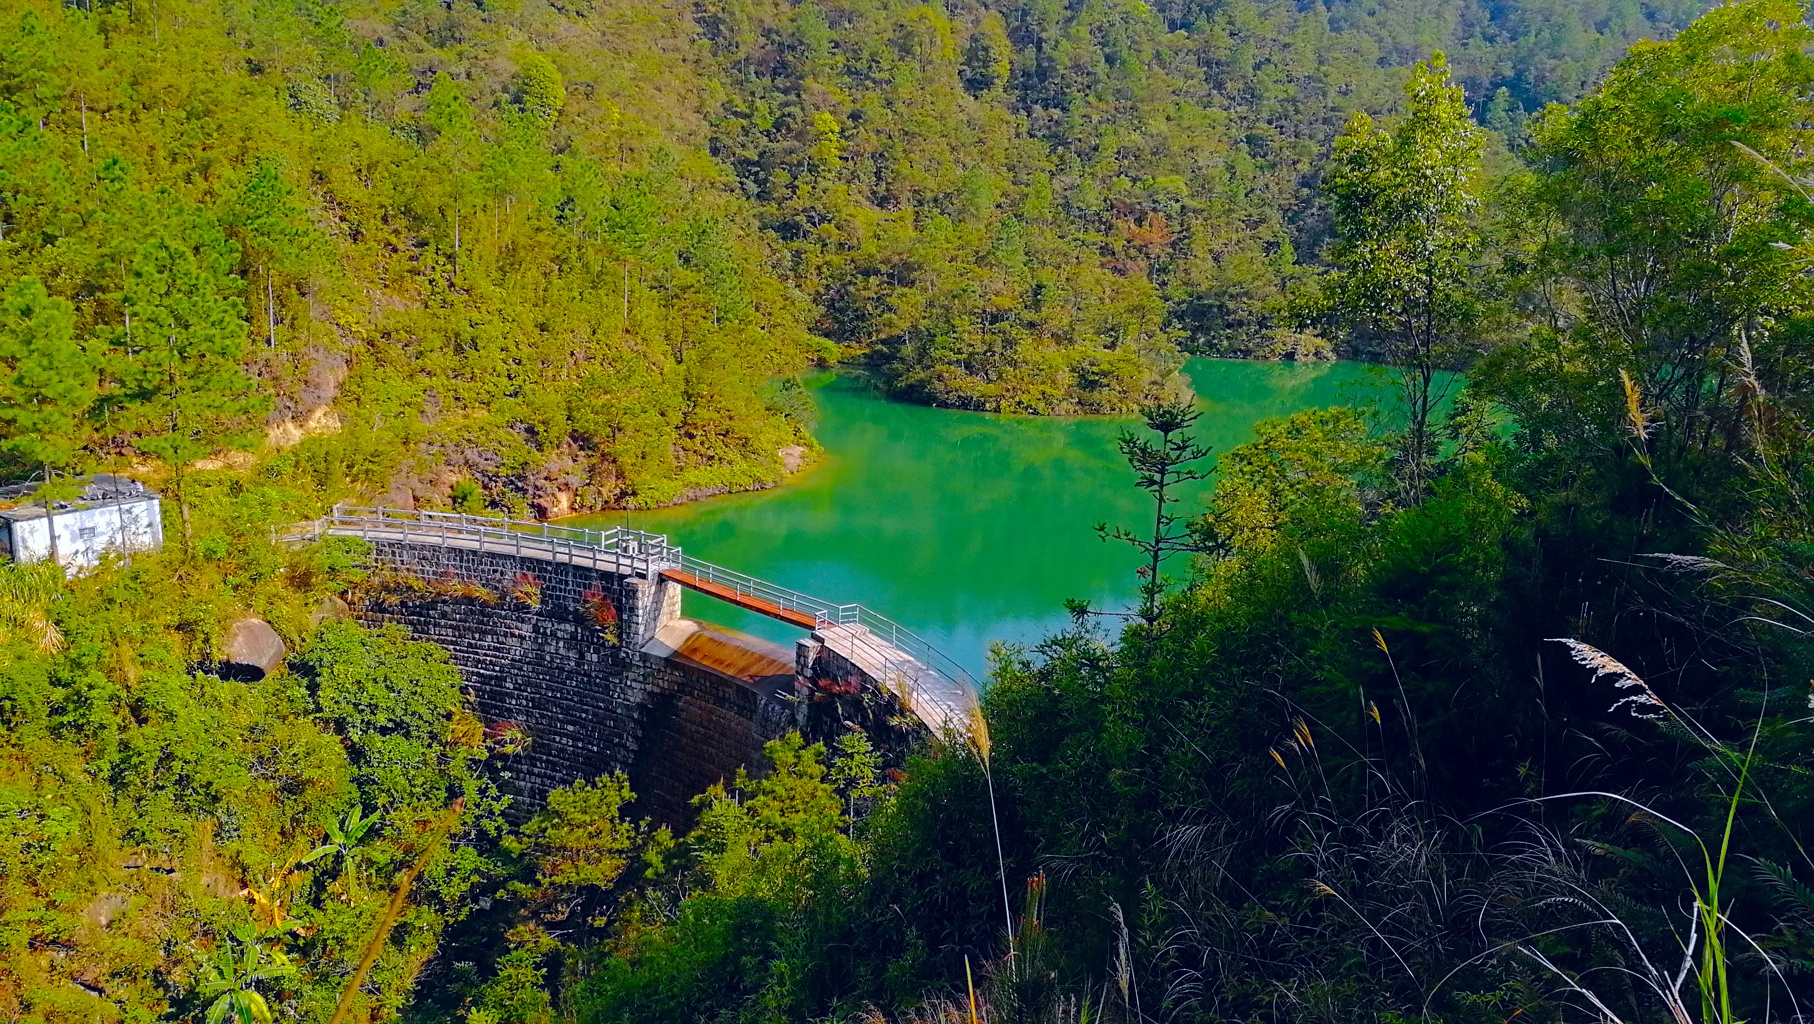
574,637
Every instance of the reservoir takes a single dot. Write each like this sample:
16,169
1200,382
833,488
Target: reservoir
970,528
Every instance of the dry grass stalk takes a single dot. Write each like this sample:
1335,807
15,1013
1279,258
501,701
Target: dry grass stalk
1641,701
970,983
979,733
1636,419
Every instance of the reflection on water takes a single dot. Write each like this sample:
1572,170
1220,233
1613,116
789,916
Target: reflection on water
967,528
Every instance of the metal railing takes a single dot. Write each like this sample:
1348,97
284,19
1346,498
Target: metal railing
902,657
885,640
633,552
901,654
905,673
744,585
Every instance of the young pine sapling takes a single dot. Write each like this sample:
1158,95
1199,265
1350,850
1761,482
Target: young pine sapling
1160,467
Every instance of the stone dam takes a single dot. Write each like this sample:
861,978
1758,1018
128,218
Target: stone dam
573,640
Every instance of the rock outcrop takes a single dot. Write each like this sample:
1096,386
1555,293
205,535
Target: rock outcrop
253,651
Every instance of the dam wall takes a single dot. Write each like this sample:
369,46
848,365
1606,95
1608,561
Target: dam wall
555,652
572,646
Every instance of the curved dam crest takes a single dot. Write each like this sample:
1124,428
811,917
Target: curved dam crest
575,640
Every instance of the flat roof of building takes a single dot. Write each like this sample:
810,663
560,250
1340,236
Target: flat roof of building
101,490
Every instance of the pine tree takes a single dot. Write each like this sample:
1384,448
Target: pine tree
190,394
47,382
1159,468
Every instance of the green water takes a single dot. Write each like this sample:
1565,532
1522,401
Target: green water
967,528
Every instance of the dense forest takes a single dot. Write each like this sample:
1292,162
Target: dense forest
1476,707
546,258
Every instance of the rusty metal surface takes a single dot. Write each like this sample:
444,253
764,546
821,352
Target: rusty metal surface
737,655
753,602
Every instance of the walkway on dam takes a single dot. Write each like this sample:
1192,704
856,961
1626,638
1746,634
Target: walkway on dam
934,688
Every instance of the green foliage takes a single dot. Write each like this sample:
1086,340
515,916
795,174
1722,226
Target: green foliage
988,57
494,277
390,698
1025,206
540,91
343,837
466,496
756,933
562,251
232,982
1405,204
1158,467
183,385
579,838
518,993
1677,246
1356,703
27,595
165,817
49,382
781,834
1312,465
1346,774
856,772
522,253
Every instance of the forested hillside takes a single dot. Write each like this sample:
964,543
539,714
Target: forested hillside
1027,206
167,830
544,258
1468,711
1504,718
404,234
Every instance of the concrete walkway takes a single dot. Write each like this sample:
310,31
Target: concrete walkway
947,706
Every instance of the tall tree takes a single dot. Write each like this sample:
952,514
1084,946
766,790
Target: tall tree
47,382
1404,203
1675,189
457,149
279,245
191,394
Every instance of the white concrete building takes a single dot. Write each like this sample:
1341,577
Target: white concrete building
113,514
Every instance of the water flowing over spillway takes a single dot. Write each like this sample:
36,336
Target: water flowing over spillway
969,528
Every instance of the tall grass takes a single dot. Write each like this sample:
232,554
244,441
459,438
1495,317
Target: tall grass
979,737
1707,953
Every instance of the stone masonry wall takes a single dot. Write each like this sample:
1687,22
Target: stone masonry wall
699,729
836,695
533,654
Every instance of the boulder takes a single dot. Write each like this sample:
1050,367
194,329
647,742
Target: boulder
253,651
328,609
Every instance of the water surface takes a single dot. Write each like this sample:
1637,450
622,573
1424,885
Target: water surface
967,528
